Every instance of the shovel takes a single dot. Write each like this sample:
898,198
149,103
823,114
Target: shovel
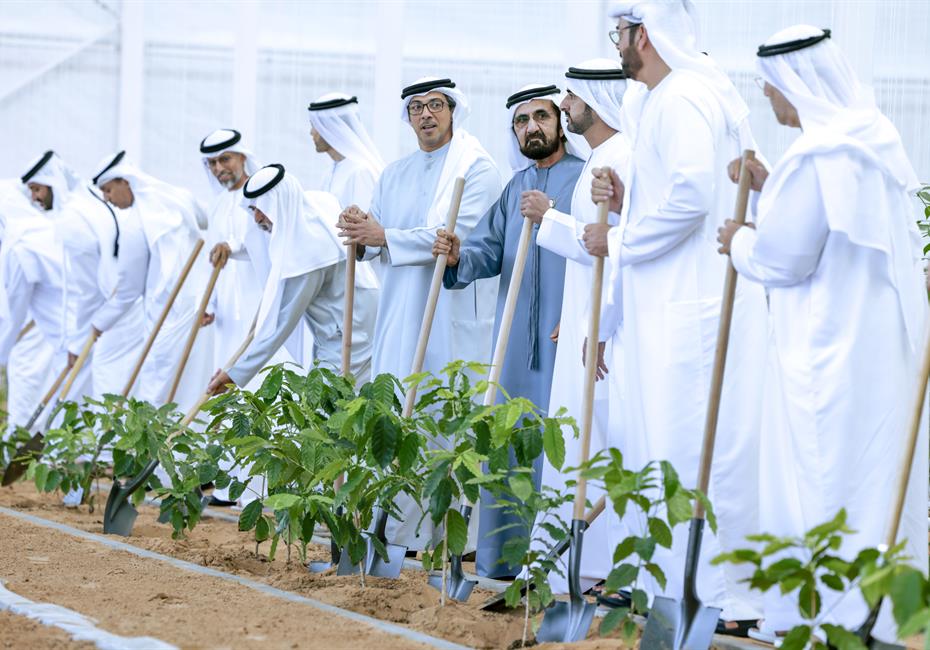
347,311
689,624
33,447
904,476
119,514
188,346
498,603
568,621
455,584
373,564
25,330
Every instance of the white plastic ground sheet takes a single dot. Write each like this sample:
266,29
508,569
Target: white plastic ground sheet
79,627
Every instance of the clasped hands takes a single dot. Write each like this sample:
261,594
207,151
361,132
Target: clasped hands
358,227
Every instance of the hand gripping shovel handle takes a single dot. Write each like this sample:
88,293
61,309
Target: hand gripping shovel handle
723,341
433,298
164,314
195,328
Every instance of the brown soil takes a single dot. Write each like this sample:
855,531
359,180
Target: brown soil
21,632
408,601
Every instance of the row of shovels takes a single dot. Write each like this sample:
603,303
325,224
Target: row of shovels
685,624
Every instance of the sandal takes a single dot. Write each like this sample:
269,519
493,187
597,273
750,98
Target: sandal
615,601
736,628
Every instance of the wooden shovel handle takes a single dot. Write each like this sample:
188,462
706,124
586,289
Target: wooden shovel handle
192,335
164,314
910,446
590,369
78,364
723,341
510,306
427,324
347,311
25,330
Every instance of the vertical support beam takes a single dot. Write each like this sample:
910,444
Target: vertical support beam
389,61
131,75
245,70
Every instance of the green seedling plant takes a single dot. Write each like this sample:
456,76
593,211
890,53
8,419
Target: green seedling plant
64,465
653,501
810,565
536,517
465,436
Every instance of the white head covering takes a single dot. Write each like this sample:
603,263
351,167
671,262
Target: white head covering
221,141
673,31
181,206
300,242
446,86
49,169
839,115
821,84
575,144
603,95
335,116
14,206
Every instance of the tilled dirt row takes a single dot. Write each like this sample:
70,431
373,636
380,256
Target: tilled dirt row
216,543
18,632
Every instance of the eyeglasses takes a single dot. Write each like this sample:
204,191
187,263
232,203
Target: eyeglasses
520,122
615,33
760,82
434,106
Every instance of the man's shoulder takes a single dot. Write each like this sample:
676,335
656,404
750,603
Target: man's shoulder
685,88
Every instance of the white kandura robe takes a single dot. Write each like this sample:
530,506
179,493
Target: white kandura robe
665,286
92,277
464,320
238,288
842,370
166,256
350,182
32,282
30,372
561,233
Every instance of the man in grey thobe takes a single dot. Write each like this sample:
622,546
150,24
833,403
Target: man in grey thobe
540,162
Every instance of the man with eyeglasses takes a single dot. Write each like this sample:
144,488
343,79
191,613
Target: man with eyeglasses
543,160
410,203
665,286
840,255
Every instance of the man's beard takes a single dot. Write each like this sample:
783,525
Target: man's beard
582,124
631,62
231,182
539,147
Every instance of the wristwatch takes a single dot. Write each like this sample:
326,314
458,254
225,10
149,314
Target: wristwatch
551,204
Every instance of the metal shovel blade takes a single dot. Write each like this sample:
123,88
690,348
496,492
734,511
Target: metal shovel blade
458,586
372,563
688,624
119,515
319,566
865,632
568,621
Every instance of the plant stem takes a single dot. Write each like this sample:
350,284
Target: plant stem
445,563
526,607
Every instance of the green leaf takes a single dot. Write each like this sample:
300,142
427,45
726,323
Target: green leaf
271,386
512,594
842,639
797,638
250,515
624,549
457,531
657,573
907,594
809,601
281,501
613,620
521,485
384,436
832,581
679,508
660,532
440,499
207,471
554,445
40,476
236,488
262,529
640,600
407,452
645,547
619,577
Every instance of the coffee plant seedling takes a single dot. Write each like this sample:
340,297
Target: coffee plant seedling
534,515
810,564
654,498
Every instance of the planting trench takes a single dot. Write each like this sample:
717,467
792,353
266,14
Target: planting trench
143,596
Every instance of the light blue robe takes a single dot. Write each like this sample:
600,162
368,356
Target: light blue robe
527,372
